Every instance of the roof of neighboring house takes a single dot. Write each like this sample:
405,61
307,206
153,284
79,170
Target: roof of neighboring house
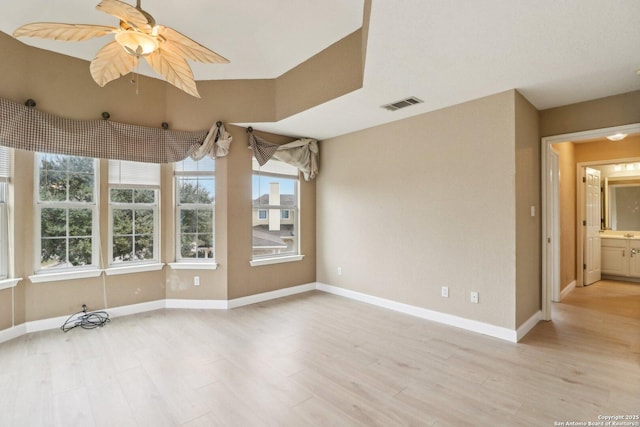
262,237
285,200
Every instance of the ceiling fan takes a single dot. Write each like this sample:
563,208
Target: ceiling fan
165,49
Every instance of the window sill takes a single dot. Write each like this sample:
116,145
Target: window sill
275,260
67,275
193,265
138,268
9,283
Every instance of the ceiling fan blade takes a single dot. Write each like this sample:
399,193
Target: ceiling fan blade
188,48
127,13
65,32
110,63
174,69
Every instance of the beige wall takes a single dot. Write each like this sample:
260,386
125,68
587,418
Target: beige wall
430,201
528,227
6,313
600,113
321,78
607,150
567,182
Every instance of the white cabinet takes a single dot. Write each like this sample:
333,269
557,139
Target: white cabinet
634,258
620,256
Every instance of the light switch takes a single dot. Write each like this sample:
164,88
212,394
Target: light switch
533,211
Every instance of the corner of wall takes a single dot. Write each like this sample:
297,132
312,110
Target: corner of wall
528,210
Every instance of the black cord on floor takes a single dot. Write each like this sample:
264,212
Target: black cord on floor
90,320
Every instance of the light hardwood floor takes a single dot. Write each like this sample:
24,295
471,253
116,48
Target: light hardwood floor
319,359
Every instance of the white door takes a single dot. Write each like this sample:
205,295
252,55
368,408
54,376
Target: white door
592,260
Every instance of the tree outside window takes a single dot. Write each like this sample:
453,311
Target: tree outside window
195,207
67,211
133,213
134,190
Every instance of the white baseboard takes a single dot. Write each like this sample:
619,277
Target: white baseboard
528,325
204,304
436,316
266,296
45,324
57,322
567,290
143,307
12,332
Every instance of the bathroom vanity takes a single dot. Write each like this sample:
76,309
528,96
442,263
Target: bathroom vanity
620,255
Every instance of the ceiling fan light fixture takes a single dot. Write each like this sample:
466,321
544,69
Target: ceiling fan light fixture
136,43
164,49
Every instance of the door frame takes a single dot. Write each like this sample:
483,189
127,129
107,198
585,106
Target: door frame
550,204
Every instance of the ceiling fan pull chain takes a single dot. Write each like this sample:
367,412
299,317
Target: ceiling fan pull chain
136,78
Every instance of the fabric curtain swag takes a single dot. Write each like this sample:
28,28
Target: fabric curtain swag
216,144
302,153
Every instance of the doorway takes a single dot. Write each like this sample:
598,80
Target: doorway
550,207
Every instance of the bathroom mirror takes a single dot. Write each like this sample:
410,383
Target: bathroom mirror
622,201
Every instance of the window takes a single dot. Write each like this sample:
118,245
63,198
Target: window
275,209
133,212
67,212
195,207
5,171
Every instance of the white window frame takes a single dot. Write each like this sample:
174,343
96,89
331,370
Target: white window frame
4,231
192,262
6,162
262,214
134,206
67,205
129,175
294,255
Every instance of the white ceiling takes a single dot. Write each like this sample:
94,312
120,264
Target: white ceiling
443,52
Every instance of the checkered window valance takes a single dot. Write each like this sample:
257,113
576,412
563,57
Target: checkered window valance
26,128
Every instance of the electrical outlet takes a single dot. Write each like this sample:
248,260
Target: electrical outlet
196,280
339,271
474,297
445,292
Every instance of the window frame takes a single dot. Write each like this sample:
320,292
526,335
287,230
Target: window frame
178,208
295,210
135,206
4,229
67,206
6,170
